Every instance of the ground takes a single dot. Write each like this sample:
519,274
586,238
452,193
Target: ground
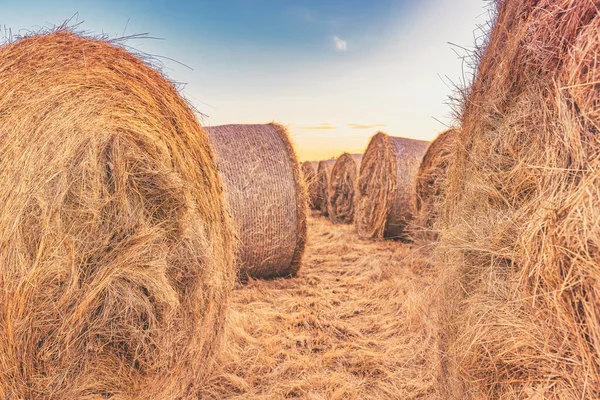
352,325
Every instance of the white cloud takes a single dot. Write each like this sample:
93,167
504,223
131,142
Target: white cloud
340,44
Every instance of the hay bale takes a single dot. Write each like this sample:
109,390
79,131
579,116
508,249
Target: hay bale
520,302
266,195
309,175
342,188
321,185
116,255
429,185
386,186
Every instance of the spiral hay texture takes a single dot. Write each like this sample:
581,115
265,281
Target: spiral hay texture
342,189
310,176
520,237
321,185
116,253
386,186
430,182
267,197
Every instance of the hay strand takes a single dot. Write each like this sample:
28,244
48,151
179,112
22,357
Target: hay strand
321,185
266,195
386,186
116,253
310,176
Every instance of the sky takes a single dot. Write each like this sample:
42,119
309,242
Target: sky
333,71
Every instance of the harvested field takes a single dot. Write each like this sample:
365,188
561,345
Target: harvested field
352,325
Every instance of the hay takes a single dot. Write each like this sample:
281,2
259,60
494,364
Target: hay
266,195
520,305
342,188
429,185
310,176
321,185
386,186
116,255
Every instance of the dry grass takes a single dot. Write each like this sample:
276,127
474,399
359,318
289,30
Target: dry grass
520,306
116,254
352,325
266,195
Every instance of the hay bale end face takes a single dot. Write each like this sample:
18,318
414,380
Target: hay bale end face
429,185
342,188
321,185
385,189
309,175
116,256
520,298
267,197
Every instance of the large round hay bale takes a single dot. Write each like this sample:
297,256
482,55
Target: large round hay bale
321,185
520,238
342,189
429,185
386,186
116,252
266,195
310,176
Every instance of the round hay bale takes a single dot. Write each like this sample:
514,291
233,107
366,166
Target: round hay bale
116,255
267,197
309,174
386,186
520,238
429,185
321,185
342,187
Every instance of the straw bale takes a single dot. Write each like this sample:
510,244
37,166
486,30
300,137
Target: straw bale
386,186
520,233
116,252
267,197
321,185
342,189
310,176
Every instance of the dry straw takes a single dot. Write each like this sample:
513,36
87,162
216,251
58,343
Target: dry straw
321,185
520,240
266,194
310,176
342,189
116,254
386,186
429,185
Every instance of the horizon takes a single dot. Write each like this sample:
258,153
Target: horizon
334,73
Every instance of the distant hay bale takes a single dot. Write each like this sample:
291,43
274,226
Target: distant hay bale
520,233
116,254
321,185
266,195
429,184
342,188
386,186
310,176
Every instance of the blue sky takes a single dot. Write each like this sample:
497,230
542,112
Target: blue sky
333,71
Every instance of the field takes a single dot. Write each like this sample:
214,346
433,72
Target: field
351,325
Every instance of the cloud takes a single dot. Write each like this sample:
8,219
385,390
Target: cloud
361,126
340,45
323,126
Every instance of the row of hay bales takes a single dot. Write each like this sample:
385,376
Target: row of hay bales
511,200
389,192
124,224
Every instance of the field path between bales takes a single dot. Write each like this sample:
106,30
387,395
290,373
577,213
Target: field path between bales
351,325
